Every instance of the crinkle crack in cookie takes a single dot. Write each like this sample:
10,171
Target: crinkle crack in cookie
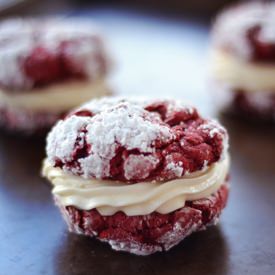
138,174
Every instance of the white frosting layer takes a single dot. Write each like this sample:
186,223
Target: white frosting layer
55,98
240,74
143,198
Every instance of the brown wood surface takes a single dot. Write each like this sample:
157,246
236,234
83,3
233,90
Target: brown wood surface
157,57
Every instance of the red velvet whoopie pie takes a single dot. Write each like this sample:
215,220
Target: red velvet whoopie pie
140,174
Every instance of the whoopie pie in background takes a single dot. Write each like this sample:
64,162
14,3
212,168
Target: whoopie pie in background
140,174
243,60
47,67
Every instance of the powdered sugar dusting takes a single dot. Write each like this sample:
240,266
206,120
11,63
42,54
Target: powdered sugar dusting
231,26
139,166
62,139
19,37
12,73
133,247
179,232
99,105
212,127
175,168
123,123
132,140
177,105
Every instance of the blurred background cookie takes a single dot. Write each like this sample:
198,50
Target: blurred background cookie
48,66
243,57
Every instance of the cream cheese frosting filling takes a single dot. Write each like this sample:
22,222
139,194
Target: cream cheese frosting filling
55,98
143,198
242,74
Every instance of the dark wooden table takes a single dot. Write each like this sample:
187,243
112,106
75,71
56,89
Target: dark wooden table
158,57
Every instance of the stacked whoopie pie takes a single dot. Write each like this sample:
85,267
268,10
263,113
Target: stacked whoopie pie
244,60
48,66
138,174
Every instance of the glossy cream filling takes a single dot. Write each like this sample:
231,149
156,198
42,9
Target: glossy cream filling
241,74
142,198
55,98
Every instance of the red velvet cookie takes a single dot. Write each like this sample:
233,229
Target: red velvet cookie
244,59
41,58
247,31
163,169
